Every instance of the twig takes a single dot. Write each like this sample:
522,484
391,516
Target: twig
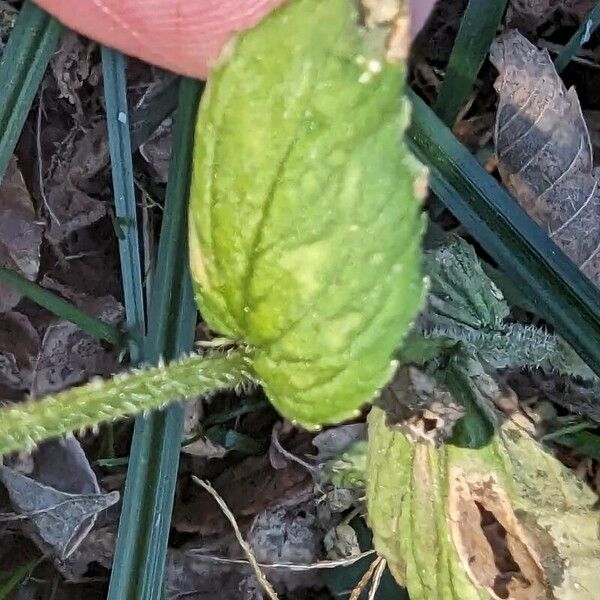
275,439
262,580
40,158
364,580
379,571
323,564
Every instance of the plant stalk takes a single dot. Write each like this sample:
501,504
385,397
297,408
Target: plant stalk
26,424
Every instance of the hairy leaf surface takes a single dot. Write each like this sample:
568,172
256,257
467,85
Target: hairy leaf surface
304,227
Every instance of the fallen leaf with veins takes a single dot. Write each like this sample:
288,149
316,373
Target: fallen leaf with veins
544,151
60,497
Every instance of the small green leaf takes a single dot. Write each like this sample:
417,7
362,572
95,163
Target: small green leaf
460,289
305,231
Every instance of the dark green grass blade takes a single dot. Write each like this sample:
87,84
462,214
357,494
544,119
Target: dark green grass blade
62,308
9,586
585,442
477,30
547,277
117,118
580,37
24,60
144,527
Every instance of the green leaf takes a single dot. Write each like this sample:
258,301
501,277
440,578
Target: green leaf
465,306
305,231
585,442
460,291
9,586
61,307
117,119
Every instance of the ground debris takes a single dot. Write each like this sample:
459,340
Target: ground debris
419,406
20,232
60,497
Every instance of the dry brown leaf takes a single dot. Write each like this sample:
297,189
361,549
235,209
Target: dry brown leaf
104,306
288,534
60,496
205,448
576,397
68,195
544,150
186,577
20,232
68,357
16,359
72,67
96,549
341,541
248,488
419,406
335,440
156,150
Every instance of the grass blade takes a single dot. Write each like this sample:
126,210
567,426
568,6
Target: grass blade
22,66
477,30
585,442
143,532
548,278
115,93
62,308
580,37
10,585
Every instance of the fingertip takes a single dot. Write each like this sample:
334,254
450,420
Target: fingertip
184,36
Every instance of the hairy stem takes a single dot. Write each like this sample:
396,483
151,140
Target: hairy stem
24,425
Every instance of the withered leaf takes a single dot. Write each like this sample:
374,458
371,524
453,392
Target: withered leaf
68,356
72,203
20,232
156,150
544,150
334,441
62,517
248,488
72,67
419,406
16,359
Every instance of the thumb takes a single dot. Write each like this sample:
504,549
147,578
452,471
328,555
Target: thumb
180,35
183,36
